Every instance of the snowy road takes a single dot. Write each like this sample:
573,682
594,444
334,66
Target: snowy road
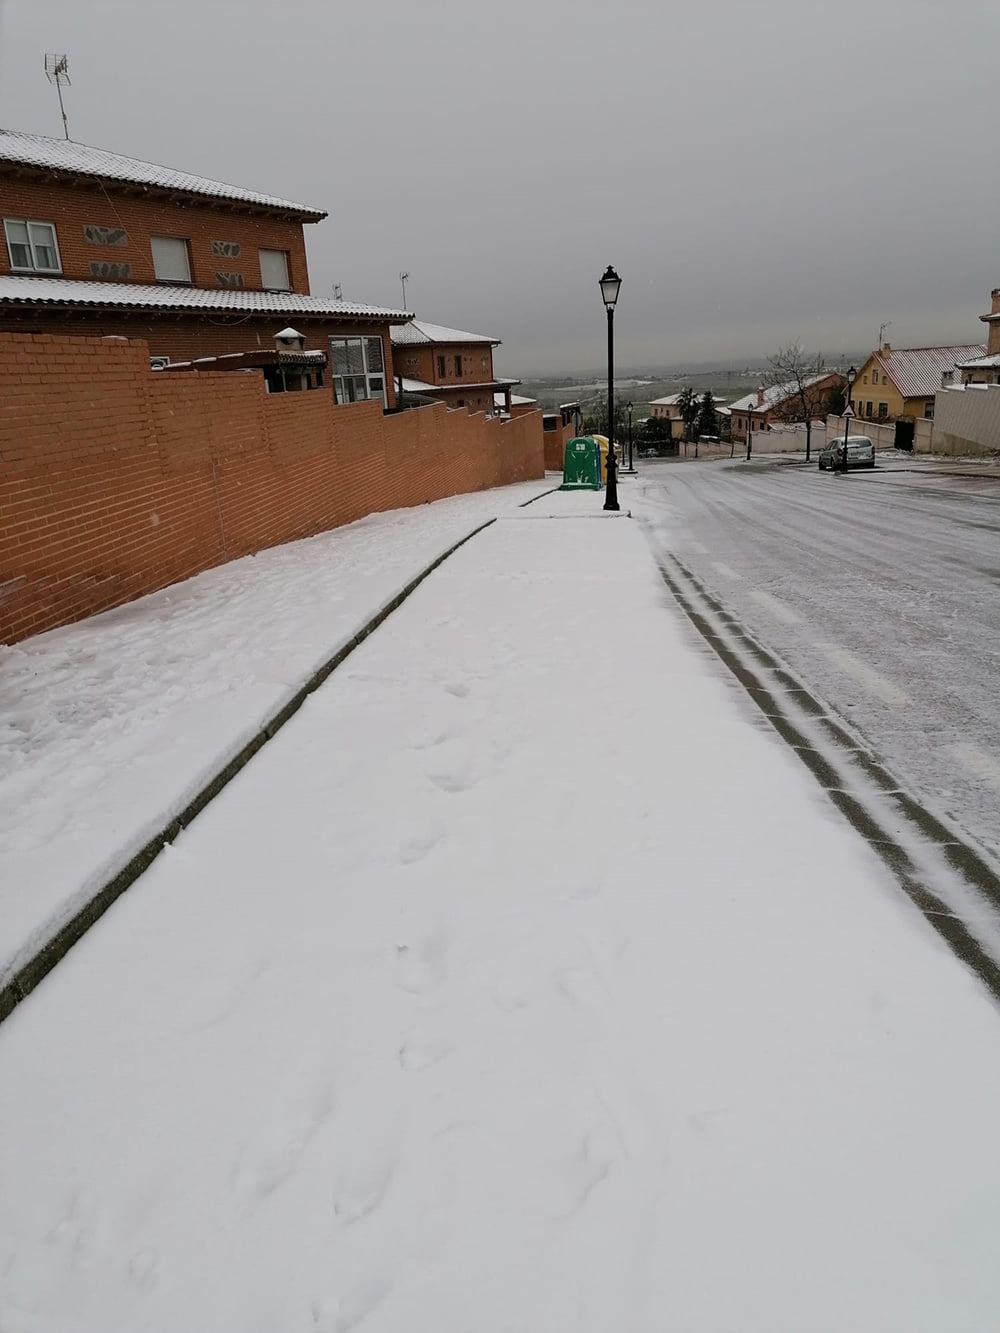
881,590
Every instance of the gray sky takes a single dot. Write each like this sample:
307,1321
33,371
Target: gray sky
757,170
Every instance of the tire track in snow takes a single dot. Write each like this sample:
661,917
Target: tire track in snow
953,884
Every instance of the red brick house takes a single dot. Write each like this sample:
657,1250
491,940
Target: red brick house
98,244
450,366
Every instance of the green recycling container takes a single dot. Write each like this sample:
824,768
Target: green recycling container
581,465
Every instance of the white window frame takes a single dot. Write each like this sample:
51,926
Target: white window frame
367,382
175,240
267,286
34,266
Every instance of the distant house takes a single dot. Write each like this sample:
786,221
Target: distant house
902,382
449,366
765,407
98,244
668,409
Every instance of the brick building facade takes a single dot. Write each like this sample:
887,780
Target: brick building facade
454,367
100,244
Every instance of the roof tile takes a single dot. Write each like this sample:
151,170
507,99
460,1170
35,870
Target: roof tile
65,155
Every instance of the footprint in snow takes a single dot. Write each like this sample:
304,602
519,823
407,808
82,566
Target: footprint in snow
421,967
361,1188
415,846
422,1052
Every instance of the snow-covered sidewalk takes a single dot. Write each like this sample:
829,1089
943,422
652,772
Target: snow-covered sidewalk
109,727
524,981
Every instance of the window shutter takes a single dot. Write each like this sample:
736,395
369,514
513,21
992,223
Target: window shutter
170,259
274,270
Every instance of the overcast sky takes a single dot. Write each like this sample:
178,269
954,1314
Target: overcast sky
757,170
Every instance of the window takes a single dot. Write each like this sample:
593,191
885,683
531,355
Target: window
868,409
274,270
864,379
874,377
441,367
170,259
883,409
32,246
458,365
929,407
358,369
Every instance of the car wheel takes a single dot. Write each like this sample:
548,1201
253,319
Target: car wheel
820,465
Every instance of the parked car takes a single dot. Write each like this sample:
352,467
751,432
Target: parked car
860,453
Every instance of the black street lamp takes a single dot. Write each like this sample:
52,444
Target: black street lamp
630,470
610,284
852,375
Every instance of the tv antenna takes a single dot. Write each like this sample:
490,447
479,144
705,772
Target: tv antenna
404,278
57,72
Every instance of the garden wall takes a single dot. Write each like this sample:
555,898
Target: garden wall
116,480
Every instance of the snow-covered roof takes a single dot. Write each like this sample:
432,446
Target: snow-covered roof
138,296
775,394
516,400
418,333
916,371
672,399
980,362
79,159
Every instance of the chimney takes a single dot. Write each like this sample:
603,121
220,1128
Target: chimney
886,349
995,300
289,340
760,395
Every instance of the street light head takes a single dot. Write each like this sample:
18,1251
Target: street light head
610,284
628,407
852,375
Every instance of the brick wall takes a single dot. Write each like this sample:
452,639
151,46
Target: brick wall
72,209
116,480
555,447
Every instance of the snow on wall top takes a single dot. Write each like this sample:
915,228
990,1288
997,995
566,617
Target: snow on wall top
139,296
418,333
64,155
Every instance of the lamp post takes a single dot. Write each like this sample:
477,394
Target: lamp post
610,284
852,375
630,470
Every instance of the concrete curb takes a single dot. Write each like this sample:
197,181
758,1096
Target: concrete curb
29,974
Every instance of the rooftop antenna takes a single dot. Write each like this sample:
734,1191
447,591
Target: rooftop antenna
57,72
403,278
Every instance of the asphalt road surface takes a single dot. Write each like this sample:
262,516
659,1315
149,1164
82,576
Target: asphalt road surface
880,590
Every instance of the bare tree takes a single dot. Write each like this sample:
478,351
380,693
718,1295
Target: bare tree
789,368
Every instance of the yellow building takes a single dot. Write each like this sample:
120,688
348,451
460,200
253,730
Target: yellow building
902,383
